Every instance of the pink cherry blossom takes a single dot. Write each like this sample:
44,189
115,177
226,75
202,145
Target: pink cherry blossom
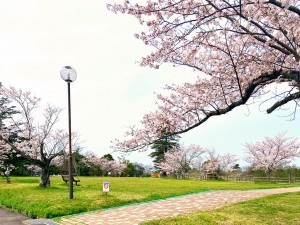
238,48
180,160
213,162
109,166
272,153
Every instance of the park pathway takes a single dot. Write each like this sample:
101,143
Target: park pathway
10,218
135,214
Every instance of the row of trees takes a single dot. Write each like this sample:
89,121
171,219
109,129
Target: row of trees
84,164
270,154
107,166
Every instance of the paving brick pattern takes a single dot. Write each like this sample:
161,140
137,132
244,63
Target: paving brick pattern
40,222
135,214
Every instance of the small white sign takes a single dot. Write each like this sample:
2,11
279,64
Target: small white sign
106,186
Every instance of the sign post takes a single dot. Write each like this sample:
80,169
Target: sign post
106,187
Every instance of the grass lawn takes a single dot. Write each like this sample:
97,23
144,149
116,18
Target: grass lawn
272,210
24,195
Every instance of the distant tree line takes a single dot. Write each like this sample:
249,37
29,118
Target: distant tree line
31,145
270,156
84,164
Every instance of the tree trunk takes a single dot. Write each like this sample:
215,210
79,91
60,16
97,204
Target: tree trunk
164,174
268,174
45,177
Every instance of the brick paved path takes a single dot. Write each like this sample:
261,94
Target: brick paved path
135,214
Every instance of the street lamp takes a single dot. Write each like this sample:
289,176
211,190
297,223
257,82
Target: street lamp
69,75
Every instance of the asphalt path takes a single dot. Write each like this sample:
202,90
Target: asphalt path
10,218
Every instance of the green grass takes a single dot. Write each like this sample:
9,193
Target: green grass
272,210
24,195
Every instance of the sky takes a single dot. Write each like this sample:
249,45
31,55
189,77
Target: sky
112,91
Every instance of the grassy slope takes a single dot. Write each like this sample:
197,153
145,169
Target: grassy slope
24,195
272,210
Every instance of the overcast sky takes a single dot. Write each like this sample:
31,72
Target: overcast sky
111,91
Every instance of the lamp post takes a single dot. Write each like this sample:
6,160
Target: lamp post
7,173
69,75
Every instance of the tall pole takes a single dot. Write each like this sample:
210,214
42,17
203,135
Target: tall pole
70,146
69,75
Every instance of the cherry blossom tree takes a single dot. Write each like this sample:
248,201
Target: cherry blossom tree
216,163
180,160
117,168
227,164
39,143
272,153
239,48
212,163
106,165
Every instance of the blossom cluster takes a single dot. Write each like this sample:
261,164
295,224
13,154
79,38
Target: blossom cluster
184,158
272,152
110,166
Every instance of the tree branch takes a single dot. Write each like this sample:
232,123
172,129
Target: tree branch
258,82
283,101
291,8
